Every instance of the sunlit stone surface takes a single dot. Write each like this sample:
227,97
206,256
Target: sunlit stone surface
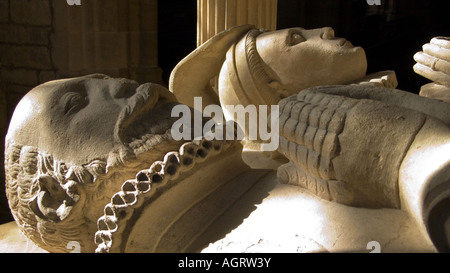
433,63
360,167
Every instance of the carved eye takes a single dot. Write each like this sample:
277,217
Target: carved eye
294,38
73,102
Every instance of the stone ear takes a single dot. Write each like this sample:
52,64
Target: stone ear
191,76
43,207
52,202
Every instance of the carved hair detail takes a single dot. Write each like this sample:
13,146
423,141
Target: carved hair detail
258,70
42,192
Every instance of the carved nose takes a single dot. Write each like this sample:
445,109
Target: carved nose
328,33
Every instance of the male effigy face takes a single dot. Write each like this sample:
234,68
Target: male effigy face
71,143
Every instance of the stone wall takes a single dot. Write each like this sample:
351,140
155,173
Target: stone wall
115,37
43,40
24,47
5,216
25,57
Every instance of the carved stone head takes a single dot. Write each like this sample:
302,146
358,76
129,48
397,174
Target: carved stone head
260,68
256,67
72,143
264,67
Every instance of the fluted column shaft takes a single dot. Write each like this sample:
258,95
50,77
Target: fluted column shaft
214,16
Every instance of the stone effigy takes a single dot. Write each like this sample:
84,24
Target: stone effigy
92,160
362,146
433,63
262,67
70,145
89,160
258,67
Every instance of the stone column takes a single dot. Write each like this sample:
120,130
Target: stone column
115,37
215,16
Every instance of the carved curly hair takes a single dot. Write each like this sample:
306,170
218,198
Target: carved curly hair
43,194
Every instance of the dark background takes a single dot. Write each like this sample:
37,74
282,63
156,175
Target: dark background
390,34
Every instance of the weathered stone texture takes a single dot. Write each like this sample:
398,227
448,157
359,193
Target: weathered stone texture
24,47
21,10
20,75
33,57
4,15
44,40
20,34
5,215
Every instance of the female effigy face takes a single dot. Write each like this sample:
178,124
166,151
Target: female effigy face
303,58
